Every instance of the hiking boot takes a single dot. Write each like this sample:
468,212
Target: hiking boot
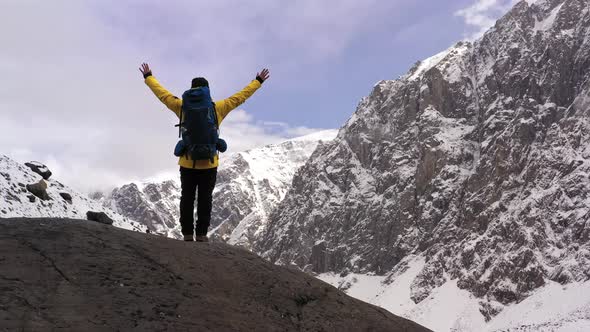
188,237
201,238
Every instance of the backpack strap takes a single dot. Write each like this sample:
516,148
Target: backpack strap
216,126
179,125
215,116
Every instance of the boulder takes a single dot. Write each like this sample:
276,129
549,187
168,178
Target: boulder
40,169
39,189
99,217
67,197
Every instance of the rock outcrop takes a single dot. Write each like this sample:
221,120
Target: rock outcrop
79,276
66,197
99,217
40,169
39,190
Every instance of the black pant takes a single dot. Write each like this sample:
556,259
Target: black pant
190,180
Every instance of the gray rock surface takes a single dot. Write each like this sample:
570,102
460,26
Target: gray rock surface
155,205
477,159
66,197
39,189
99,217
73,275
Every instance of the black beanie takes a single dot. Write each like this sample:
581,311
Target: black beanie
199,81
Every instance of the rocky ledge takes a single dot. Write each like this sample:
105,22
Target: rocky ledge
80,276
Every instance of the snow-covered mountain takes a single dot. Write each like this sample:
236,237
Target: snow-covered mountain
60,201
153,204
472,170
249,185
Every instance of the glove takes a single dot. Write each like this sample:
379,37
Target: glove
262,76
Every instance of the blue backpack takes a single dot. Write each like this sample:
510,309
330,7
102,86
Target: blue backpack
198,127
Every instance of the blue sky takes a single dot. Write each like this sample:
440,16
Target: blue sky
72,95
319,76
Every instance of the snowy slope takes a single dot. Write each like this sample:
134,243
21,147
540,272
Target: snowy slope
249,185
552,308
14,200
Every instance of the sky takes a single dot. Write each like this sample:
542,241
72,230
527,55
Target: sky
73,98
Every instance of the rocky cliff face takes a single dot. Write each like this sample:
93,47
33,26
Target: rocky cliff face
79,276
477,160
249,185
153,204
252,183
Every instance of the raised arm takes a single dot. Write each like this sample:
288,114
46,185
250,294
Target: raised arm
172,102
227,105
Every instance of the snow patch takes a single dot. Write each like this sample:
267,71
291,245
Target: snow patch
438,312
448,308
554,307
324,135
548,22
428,64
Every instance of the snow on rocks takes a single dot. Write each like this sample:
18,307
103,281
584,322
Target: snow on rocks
476,160
56,200
554,307
40,169
547,22
249,185
446,62
39,190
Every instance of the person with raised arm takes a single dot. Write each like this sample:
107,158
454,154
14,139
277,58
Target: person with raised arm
199,121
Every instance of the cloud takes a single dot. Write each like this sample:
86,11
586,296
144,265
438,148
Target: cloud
228,38
100,159
73,98
72,95
241,124
482,15
288,130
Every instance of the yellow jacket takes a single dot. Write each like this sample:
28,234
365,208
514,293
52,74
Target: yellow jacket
222,107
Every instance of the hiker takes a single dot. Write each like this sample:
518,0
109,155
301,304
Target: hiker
198,150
